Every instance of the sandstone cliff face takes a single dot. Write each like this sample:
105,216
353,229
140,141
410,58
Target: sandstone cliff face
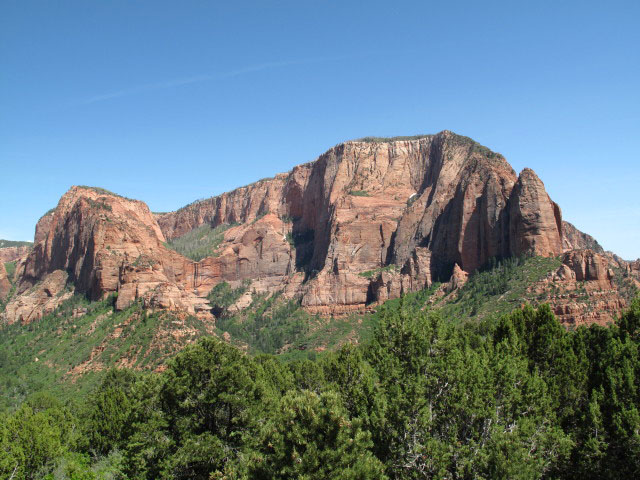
585,290
535,221
12,254
105,244
40,299
5,285
365,222
424,204
574,239
43,226
242,205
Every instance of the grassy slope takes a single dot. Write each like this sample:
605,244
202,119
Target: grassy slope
45,353
10,267
200,242
273,325
498,290
14,243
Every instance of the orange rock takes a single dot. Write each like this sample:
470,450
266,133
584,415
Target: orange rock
574,239
407,212
39,300
535,221
43,226
5,285
589,266
107,244
12,254
458,279
583,291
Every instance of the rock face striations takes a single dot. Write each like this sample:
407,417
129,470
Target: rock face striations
589,287
98,243
12,254
536,221
367,221
419,205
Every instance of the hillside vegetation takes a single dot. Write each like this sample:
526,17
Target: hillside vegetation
469,385
14,243
498,288
67,351
98,337
199,243
514,398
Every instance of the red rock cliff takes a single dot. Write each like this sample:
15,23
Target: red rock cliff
5,285
574,239
324,231
107,244
12,254
424,204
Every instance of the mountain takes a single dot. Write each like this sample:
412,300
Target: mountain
368,221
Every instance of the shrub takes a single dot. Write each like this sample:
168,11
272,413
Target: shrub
359,193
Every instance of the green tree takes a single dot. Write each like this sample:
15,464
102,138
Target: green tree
312,437
348,373
457,408
34,437
107,422
212,396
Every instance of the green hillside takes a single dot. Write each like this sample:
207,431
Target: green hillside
68,351
73,352
519,397
199,243
14,243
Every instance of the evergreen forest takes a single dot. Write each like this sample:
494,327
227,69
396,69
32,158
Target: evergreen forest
511,397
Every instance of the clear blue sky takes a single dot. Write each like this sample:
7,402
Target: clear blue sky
171,101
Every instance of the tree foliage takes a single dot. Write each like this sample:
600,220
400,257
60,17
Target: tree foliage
515,398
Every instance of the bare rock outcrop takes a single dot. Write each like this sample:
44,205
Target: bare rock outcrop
242,205
367,221
589,287
43,226
535,220
574,239
5,284
13,254
588,266
458,279
106,244
423,204
39,300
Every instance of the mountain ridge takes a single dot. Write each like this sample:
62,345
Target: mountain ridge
412,210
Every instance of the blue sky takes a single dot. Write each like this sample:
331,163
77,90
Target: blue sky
171,101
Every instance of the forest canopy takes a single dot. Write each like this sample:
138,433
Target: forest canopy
519,397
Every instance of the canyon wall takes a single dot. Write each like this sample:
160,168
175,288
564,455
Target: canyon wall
367,221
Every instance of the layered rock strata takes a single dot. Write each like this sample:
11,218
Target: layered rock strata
589,287
367,221
39,300
43,226
105,244
422,205
12,254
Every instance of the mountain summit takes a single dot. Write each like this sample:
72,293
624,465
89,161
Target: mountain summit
368,221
